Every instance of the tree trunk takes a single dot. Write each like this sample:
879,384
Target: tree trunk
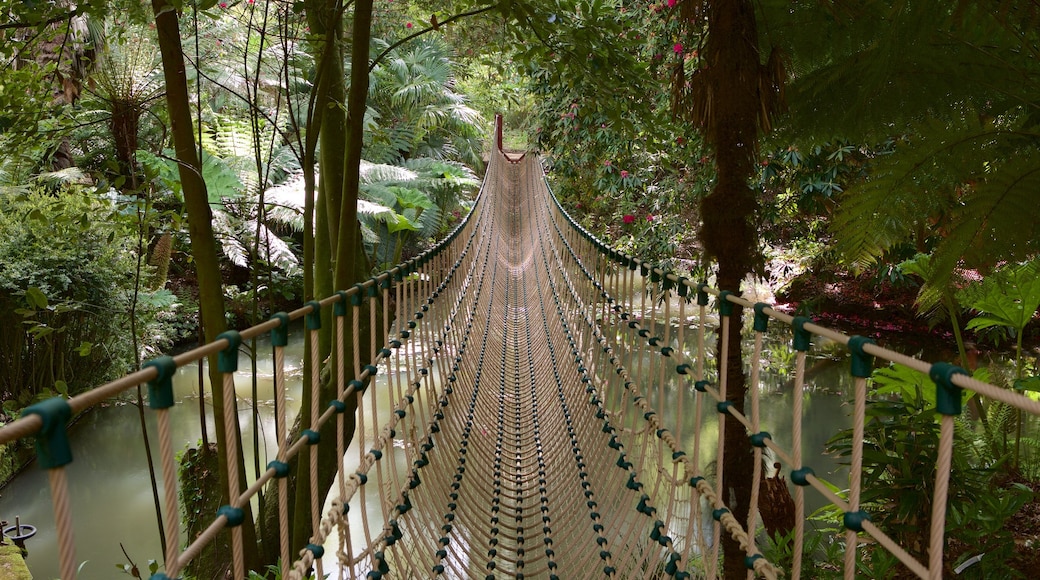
728,233
203,242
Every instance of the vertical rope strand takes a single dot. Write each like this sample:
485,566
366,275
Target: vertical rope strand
63,521
283,484
166,458
234,486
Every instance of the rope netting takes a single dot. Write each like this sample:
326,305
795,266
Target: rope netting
532,419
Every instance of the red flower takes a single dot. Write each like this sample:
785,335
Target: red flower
606,163
628,218
650,218
223,4
671,3
624,174
409,25
677,48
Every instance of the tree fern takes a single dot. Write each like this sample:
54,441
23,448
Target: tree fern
956,84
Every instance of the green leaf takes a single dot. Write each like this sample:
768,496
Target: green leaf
85,348
62,387
36,298
399,223
1008,297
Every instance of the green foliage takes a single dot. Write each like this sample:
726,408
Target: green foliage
1009,298
414,110
954,85
64,278
900,445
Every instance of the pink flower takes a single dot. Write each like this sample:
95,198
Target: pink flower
223,4
606,163
624,174
409,25
677,48
671,3
628,218
650,218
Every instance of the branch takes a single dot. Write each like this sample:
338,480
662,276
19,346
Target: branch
389,49
53,20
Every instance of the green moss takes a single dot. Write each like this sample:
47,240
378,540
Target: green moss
12,566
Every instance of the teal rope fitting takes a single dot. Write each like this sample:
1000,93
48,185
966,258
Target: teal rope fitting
725,306
355,298
761,318
801,476
655,276
339,406
52,442
280,333
227,359
854,520
315,549
701,386
667,283
359,387
948,395
340,307
235,516
724,406
749,561
802,336
644,270
372,370
696,480
160,389
372,290
313,317
281,469
159,576
862,363
683,369
702,294
759,439
682,288
313,437
632,264
718,513
385,283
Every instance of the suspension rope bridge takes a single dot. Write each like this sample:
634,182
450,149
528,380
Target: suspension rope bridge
528,431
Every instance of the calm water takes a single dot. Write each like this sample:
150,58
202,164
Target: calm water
111,494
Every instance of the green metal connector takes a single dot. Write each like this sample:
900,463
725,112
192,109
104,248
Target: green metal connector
340,307
862,363
313,317
725,306
52,442
160,389
761,318
280,333
948,395
802,337
227,359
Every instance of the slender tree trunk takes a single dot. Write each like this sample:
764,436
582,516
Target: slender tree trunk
203,242
728,233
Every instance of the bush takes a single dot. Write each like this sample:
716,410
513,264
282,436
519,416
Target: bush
65,277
